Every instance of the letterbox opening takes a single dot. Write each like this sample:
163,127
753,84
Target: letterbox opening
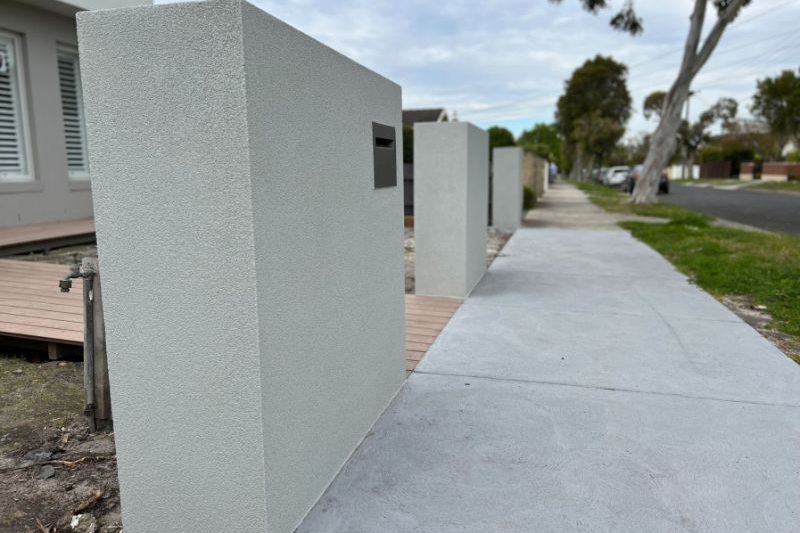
384,155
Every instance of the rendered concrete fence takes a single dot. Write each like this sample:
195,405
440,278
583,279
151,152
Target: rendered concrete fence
535,171
253,274
507,188
451,188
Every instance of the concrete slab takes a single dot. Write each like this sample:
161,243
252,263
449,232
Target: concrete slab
477,455
670,355
584,385
600,294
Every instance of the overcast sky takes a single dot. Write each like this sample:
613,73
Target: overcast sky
505,61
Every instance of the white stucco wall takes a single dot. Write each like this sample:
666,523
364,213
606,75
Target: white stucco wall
507,188
451,188
253,277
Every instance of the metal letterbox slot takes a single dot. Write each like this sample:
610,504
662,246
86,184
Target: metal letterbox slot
384,153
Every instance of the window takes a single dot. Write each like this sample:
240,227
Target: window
69,80
14,141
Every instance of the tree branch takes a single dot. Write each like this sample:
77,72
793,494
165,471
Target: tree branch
725,18
692,40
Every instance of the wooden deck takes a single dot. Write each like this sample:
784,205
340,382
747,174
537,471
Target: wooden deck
33,307
426,317
35,237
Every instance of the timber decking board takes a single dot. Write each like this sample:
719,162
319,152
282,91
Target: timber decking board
29,237
33,307
426,317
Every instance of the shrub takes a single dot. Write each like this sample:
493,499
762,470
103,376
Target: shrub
528,198
793,157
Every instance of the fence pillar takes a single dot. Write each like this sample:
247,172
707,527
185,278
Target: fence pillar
250,229
507,188
451,188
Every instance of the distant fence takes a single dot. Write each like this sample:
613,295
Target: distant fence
769,171
716,169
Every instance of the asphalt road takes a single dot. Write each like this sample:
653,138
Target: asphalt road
766,210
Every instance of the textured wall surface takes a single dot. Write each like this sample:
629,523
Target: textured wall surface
52,195
451,188
507,188
253,276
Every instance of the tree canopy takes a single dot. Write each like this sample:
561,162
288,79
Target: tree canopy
699,46
777,102
500,136
544,141
626,19
653,104
592,112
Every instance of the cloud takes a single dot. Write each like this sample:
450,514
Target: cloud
505,61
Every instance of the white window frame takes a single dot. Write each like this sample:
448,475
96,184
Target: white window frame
70,49
22,75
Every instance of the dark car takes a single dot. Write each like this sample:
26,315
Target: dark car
636,173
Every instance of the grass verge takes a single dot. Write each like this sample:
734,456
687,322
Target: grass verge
779,186
764,268
617,202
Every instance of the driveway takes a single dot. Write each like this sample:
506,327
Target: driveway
766,210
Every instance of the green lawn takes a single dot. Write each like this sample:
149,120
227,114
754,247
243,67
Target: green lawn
778,186
762,267
615,201
709,181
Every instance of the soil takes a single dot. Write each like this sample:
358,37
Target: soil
54,472
758,317
494,244
62,256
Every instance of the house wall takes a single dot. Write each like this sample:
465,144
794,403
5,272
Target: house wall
52,196
779,171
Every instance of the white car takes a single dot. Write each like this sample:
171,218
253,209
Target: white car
616,176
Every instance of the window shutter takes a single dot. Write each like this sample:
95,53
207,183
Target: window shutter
13,157
69,79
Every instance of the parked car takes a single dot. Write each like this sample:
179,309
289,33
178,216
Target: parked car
616,176
636,173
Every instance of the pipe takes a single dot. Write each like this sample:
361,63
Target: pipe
88,345
88,350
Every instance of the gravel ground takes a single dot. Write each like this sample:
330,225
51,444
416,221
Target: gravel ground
495,242
61,256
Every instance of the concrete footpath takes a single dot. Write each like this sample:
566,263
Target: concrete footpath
584,385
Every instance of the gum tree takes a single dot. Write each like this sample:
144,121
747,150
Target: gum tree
777,102
696,52
592,112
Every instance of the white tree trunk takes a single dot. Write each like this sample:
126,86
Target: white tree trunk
662,144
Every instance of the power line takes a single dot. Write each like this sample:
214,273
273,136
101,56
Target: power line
757,60
724,51
734,25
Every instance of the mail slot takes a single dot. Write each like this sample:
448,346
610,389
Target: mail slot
384,154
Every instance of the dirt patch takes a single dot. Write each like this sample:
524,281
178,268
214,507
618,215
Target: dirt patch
758,317
494,244
57,476
61,256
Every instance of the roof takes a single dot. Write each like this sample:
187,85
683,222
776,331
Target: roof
436,114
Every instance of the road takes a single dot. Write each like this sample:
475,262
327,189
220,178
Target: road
766,210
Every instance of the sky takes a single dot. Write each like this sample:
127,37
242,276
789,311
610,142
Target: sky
504,62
